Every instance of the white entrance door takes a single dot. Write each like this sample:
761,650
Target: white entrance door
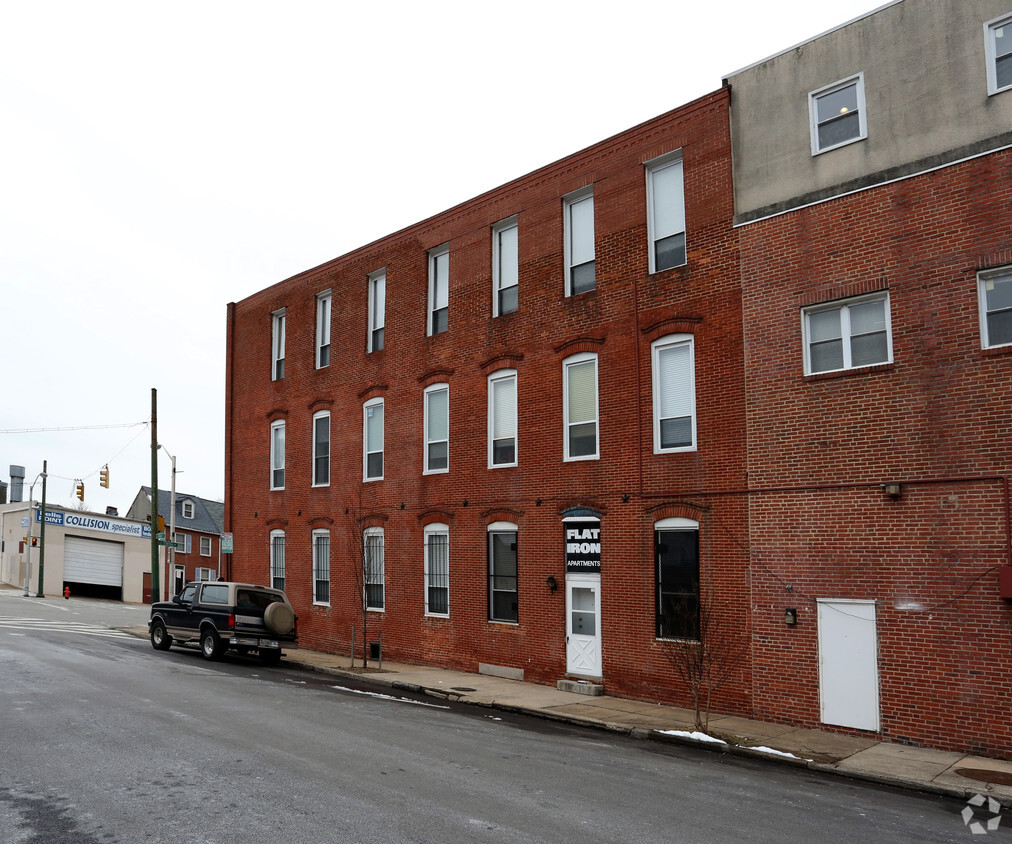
848,664
583,625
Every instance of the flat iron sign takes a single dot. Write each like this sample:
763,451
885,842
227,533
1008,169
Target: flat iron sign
583,547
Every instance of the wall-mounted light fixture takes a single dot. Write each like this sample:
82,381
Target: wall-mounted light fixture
893,490
791,616
553,584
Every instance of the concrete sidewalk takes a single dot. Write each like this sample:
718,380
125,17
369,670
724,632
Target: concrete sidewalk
955,774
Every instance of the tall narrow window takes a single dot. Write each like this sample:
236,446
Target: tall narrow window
837,114
676,544
321,567
995,291
847,334
998,46
437,570
377,309
278,345
579,375
502,572
578,209
505,267
666,212
321,448
278,455
372,412
323,302
374,569
278,559
674,392
502,418
439,289
437,429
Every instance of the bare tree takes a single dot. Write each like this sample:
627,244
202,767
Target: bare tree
710,659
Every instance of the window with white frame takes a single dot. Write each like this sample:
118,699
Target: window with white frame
666,212
437,429
187,509
374,571
502,418
676,555
321,448
673,373
578,218
377,309
995,296
847,334
277,559
205,574
439,289
205,546
321,566
278,345
372,440
579,408
502,572
437,569
278,454
505,267
323,305
998,48
837,114
184,543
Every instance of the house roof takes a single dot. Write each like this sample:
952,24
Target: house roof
208,516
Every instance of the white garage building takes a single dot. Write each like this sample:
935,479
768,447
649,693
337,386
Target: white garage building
96,555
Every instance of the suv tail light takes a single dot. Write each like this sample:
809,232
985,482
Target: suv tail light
231,621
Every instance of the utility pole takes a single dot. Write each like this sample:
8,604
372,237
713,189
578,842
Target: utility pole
42,530
156,592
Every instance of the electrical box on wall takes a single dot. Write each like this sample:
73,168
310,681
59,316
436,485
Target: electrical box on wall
1005,581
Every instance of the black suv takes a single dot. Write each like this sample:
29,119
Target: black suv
222,614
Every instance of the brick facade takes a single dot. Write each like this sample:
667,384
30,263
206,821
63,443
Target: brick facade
629,486
936,420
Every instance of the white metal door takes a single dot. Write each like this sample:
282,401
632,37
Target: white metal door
92,561
848,664
583,625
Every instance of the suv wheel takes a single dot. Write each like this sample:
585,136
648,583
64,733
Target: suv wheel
160,639
210,644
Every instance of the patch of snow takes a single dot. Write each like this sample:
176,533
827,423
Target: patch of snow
695,736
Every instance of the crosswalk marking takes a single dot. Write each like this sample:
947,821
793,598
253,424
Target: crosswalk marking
78,627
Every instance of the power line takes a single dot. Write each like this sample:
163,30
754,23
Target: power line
71,428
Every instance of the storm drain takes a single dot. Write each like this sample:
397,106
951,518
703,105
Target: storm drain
462,689
985,775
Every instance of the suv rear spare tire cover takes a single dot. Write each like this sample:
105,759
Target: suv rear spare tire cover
279,618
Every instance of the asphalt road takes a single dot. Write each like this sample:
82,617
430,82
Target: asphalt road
105,740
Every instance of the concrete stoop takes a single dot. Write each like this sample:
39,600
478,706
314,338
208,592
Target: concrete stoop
581,687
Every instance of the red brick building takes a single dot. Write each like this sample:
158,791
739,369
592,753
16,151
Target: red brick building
582,327
752,355
876,247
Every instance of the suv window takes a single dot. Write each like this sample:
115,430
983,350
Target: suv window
216,594
248,599
186,596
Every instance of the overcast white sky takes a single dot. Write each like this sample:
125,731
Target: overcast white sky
158,161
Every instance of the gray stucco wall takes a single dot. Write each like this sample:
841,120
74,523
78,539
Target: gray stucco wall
926,101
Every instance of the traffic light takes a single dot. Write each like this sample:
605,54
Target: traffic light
103,476
80,490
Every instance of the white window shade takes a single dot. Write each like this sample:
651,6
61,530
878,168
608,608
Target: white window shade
504,398
582,230
675,381
439,415
582,392
668,200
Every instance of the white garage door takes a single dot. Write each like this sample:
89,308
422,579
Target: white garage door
92,561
